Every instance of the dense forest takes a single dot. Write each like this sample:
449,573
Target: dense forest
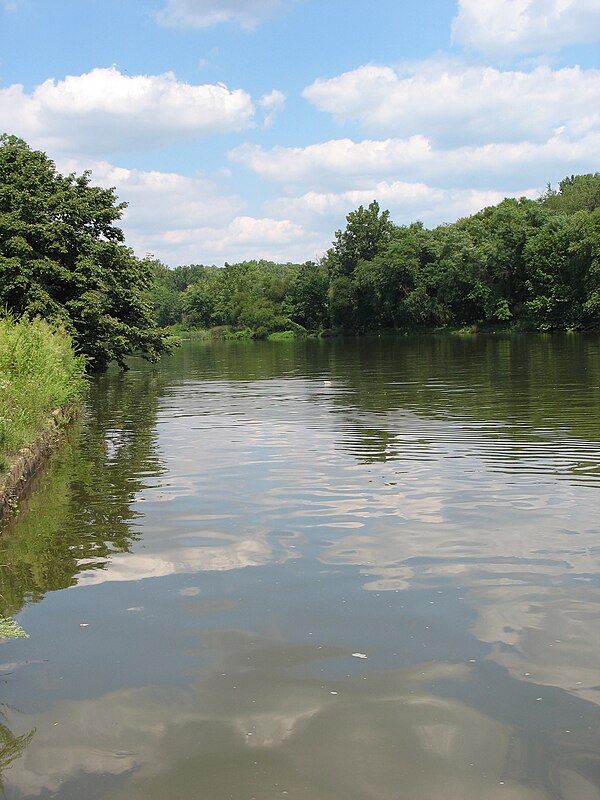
526,264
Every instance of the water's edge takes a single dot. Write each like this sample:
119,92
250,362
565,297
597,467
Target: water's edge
17,480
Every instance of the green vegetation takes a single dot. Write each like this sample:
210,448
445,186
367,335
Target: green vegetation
10,629
83,510
524,264
39,372
240,301
62,258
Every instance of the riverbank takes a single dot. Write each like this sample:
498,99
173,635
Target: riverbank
42,383
24,465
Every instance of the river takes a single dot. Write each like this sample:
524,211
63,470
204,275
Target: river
315,570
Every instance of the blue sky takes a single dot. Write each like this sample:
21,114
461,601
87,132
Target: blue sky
243,129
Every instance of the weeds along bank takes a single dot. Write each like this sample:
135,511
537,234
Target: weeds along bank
42,380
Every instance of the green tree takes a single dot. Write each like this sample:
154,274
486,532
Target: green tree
198,302
564,267
455,279
367,232
591,245
63,258
500,235
306,300
390,284
342,301
166,297
574,193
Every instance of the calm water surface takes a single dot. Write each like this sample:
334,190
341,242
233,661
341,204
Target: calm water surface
364,570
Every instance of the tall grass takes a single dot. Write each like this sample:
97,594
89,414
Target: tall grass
39,372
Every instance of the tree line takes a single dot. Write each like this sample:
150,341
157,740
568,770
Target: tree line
529,264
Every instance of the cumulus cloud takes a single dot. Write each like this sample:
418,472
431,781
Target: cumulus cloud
319,184
159,202
183,220
168,197
333,162
509,27
202,13
104,111
340,164
451,101
244,237
407,203
458,136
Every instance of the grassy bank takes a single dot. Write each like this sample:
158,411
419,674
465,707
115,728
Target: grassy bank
39,372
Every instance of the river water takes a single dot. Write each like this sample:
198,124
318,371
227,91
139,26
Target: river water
321,570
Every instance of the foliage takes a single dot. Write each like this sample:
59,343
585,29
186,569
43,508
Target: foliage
366,234
63,258
522,263
248,299
10,629
39,372
574,193
306,299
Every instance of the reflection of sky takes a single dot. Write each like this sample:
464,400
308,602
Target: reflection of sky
439,546
380,733
260,473
546,635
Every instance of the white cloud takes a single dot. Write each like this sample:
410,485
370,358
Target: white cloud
104,111
319,184
509,27
451,102
407,203
167,197
243,238
332,163
161,201
272,103
184,220
202,13
341,164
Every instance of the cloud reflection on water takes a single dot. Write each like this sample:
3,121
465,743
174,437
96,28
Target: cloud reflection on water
281,730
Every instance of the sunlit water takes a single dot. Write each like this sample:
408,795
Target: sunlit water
364,570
